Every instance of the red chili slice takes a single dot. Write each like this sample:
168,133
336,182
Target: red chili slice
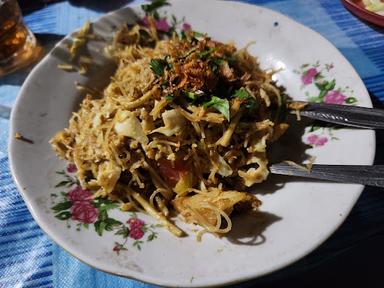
172,172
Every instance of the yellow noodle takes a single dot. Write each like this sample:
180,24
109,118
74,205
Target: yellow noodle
159,127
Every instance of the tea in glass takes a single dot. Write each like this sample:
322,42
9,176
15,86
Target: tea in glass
17,43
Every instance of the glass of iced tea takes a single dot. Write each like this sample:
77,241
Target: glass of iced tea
18,46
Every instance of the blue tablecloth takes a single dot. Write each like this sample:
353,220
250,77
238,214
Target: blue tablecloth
29,259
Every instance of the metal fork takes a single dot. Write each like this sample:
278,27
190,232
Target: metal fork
372,175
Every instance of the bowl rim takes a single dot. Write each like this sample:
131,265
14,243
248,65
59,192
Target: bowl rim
363,13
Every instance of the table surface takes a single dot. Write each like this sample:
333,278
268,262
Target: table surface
29,259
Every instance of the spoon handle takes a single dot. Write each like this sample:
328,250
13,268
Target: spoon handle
354,116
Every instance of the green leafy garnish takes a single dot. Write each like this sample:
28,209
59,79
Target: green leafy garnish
216,63
169,97
197,35
231,59
151,8
157,66
182,35
221,105
206,53
242,93
250,102
191,95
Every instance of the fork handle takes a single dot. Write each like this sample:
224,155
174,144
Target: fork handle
372,175
354,116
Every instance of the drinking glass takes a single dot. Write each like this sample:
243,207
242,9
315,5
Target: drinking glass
18,47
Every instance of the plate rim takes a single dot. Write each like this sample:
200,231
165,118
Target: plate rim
142,276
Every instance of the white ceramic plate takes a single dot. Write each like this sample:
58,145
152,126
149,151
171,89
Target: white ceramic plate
294,219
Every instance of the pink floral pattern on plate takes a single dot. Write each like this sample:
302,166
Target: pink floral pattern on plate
84,211
161,24
316,140
316,77
335,97
308,76
77,206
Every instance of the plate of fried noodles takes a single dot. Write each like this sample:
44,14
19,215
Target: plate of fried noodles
141,143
